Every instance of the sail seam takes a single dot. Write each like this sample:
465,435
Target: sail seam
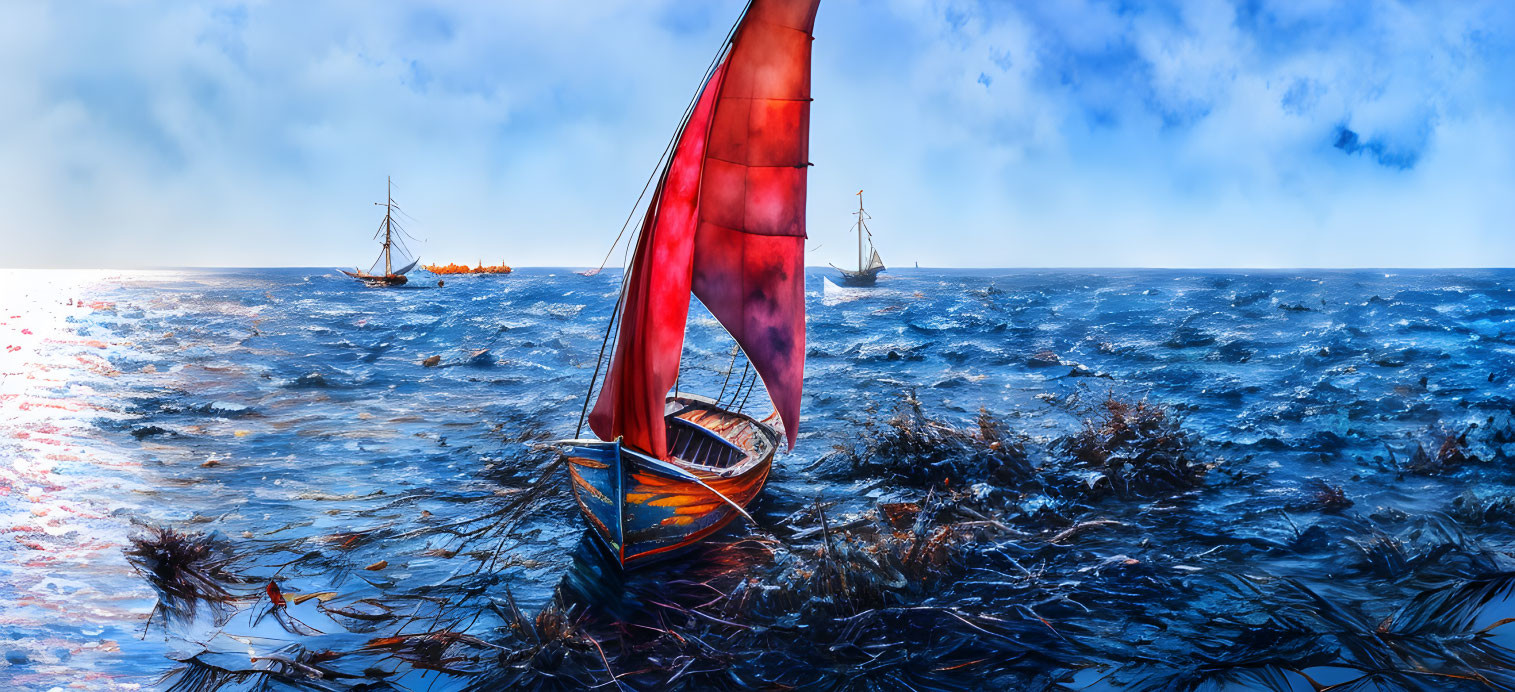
805,164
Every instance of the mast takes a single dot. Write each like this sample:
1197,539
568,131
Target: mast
860,230
389,201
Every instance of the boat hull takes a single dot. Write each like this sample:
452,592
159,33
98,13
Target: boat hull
644,509
379,279
867,277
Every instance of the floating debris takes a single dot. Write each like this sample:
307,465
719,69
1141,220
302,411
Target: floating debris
187,570
1450,454
291,667
1471,508
147,431
915,448
1328,498
1135,449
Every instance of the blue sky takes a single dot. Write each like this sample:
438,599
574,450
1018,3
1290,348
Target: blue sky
1072,133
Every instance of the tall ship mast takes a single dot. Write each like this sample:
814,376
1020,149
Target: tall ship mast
389,208
392,234
868,265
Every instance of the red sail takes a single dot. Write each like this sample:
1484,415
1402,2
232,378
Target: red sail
749,253
728,222
656,305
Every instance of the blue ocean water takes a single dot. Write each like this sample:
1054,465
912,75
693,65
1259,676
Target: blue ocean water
288,412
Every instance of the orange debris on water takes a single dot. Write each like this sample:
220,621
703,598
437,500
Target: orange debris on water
501,268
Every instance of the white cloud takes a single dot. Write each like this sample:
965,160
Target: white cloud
986,133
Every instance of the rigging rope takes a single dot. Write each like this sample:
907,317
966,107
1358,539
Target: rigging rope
710,69
730,368
750,387
626,272
739,381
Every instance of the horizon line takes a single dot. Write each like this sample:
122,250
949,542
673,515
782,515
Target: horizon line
824,267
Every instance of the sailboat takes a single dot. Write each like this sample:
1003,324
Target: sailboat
867,272
388,229
726,223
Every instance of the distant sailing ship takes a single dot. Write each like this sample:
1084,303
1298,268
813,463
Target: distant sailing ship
867,273
726,222
387,228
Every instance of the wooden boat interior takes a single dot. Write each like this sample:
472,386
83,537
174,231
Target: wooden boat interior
713,440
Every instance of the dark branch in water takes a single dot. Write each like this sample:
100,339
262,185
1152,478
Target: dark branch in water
187,570
291,667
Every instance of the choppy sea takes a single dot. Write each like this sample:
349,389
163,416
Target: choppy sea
287,417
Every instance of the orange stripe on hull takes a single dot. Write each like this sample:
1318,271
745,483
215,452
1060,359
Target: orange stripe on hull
744,491
591,463
678,500
593,520
583,485
693,538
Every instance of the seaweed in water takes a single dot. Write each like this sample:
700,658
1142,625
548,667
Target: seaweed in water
1434,637
1450,455
852,570
1434,549
1434,640
291,667
442,651
1136,449
839,604
552,649
186,570
943,591
1473,509
920,450
1328,498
